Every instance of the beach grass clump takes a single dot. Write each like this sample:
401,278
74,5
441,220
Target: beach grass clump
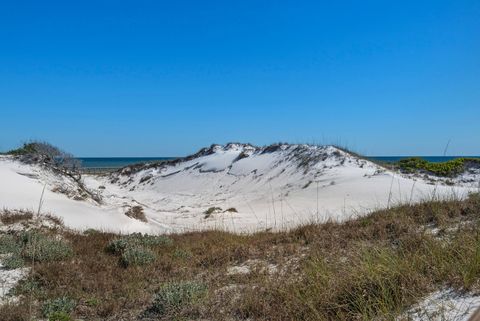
448,169
58,309
172,297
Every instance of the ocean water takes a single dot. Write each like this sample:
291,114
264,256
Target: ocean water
118,162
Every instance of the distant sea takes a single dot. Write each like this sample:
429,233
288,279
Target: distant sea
118,162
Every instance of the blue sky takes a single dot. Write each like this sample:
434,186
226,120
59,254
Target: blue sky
164,78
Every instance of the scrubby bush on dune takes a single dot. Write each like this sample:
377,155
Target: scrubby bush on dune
41,248
118,245
137,256
59,161
32,246
137,213
46,153
135,249
450,168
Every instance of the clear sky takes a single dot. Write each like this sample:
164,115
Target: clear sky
164,78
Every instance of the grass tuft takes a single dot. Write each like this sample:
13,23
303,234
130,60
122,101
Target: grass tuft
175,296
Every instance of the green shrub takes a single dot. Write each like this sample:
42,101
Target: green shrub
152,240
58,308
172,297
13,262
182,254
137,256
9,244
450,168
59,316
31,286
26,149
40,248
119,245
91,231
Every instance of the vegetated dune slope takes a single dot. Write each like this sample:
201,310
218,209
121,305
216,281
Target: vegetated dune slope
236,187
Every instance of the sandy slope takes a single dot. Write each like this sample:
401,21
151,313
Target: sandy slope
21,188
276,187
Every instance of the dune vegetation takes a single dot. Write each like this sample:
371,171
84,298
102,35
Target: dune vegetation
373,267
448,169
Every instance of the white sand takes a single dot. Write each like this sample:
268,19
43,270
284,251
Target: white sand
292,185
444,305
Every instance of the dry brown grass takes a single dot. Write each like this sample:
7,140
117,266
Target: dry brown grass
137,213
12,217
372,267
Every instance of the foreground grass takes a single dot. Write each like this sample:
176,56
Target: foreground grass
370,268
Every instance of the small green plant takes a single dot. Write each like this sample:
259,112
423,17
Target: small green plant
137,256
59,316
30,286
58,309
172,297
182,254
90,231
9,244
13,262
92,302
119,245
39,247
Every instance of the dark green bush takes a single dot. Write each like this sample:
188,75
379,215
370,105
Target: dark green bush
27,148
117,246
450,168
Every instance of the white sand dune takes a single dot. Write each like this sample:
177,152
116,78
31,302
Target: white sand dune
274,187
